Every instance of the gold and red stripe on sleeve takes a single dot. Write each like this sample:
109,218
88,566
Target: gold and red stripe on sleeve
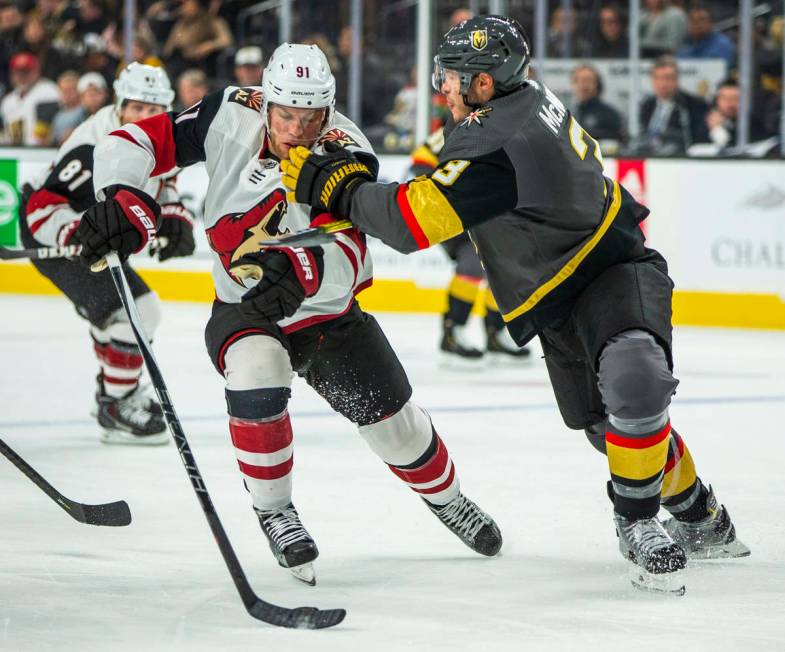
427,213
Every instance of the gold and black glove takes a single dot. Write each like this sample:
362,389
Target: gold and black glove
325,181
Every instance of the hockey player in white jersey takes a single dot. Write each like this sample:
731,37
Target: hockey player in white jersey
301,316
53,209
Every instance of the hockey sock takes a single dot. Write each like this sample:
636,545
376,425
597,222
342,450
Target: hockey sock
462,292
432,475
263,448
121,365
637,453
493,318
683,494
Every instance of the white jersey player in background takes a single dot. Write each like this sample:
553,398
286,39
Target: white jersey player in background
301,316
53,209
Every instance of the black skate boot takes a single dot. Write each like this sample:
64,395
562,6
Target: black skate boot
455,344
713,537
132,419
499,341
470,524
655,560
290,542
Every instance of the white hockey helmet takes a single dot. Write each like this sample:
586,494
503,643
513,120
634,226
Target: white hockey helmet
143,83
299,76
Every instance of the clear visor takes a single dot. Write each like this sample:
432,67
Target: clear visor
296,126
441,75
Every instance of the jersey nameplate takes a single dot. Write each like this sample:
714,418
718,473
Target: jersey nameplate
250,98
552,112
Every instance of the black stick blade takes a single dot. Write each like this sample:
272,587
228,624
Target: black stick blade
300,618
115,514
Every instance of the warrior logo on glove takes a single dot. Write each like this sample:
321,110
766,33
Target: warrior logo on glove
237,234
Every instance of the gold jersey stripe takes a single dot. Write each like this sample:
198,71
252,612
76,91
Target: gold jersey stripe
490,301
565,272
637,463
436,217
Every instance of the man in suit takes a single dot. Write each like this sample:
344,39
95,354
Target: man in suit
671,120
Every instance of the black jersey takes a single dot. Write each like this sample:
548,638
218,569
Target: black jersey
526,181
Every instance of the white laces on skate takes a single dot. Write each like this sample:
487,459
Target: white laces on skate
463,516
284,527
133,411
645,535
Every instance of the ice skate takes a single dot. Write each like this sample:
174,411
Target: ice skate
290,542
134,419
713,537
654,559
470,524
456,350
501,344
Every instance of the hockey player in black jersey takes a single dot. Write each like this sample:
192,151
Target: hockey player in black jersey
53,209
283,310
566,261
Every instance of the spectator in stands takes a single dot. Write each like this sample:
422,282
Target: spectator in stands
248,66
574,45
722,118
98,59
671,119
71,113
50,12
459,15
599,119
663,28
36,40
11,31
142,50
705,42
611,41
82,26
379,84
93,92
196,39
192,86
19,108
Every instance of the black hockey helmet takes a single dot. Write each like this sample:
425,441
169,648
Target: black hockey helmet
497,45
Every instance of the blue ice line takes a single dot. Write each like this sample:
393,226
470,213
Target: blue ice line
449,409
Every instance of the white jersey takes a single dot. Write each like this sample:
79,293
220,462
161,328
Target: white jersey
245,200
65,189
19,112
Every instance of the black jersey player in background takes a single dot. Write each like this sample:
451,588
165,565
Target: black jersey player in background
466,283
566,261
53,209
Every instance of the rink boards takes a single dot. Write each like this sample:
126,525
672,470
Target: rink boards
720,224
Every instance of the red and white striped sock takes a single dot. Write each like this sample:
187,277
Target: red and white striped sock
263,448
434,479
121,366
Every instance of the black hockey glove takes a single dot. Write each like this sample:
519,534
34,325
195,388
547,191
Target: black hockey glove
123,223
176,233
325,181
287,276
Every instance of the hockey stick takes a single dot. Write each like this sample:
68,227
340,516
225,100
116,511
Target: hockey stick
114,514
310,237
69,251
301,617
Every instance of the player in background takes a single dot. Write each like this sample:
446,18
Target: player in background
467,282
53,209
566,261
301,315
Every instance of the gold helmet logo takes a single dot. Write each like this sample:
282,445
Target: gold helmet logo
479,39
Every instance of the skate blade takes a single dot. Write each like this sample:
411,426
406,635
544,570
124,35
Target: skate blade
123,438
662,583
304,573
453,362
731,550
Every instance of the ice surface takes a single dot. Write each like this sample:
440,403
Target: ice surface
407,583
